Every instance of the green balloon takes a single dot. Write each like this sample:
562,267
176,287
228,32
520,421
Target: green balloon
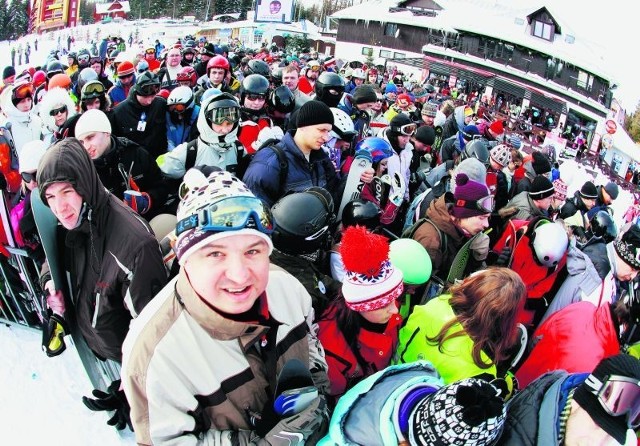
412,259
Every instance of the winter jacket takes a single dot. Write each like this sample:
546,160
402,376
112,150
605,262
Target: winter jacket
400,163
263,174
377,193
118,93
532,414
429,237
574,339
127,157
526,208
144,125
454,123
112,256
183,360
453,360
450,149
374,348
322,288
250,128
572,205
24,126
596,251
183,131
359,117
223,151
583,283
526,182
365,414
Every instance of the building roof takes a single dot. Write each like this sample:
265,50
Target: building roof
501,19
112,7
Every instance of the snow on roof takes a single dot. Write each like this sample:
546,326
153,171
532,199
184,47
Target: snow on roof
502,19
111,7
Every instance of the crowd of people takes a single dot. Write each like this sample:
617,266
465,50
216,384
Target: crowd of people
272,250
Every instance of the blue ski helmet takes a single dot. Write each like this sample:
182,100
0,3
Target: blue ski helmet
378,148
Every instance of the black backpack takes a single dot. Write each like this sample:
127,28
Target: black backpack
278,147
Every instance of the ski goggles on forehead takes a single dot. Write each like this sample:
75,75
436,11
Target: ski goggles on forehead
150,51
315,68
484,205
23,91
221,114
148,89
618,395
230,214
95,60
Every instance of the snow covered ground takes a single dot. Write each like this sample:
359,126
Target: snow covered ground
42,396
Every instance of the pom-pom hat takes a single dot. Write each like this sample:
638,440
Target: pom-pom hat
371,281
471,198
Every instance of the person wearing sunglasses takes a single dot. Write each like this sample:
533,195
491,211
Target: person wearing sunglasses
253,113
22,121
217,144
599,406
142,117
55,108
231,313
113,260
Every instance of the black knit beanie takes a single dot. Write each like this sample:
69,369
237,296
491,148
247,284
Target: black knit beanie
364,94
314,113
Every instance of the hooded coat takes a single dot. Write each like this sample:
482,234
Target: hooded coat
213,149
112,258
24,126
454,123
53,99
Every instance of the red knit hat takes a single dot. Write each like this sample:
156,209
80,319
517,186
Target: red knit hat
125,69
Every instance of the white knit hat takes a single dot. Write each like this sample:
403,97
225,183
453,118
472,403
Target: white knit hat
93,120
371,281
30,155
203,193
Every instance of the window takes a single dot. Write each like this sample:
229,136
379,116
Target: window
367,51
390,29
399,55
542,30
386,53
585,80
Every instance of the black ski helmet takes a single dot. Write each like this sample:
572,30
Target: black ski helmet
282,99
276,76
257,67
254,84
329,88
54,67
478,148
361,212
603,226
303,221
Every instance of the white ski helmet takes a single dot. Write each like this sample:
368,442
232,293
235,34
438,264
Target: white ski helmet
501,154
343,127
359,73
181,95
549,242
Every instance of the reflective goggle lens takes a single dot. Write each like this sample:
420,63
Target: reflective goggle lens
150,51
620,395
84,58
94,89
219,115
23,91
177,108
28,177
408,129
487,203
56,111
230,214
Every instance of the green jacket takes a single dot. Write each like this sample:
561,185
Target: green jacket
455,361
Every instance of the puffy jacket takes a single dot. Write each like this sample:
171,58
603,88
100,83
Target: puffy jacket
572,205
24,126
454,360
183,362
212,149
133,159
112,257
526,208
454,123
119,92
263,174
51,100
144,125
183,131
574,339
375,349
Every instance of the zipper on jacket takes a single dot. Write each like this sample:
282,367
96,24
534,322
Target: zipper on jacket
95,311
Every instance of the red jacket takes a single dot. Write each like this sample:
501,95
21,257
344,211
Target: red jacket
248,132
376,349
574,339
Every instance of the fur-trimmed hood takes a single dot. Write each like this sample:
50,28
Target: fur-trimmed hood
53,99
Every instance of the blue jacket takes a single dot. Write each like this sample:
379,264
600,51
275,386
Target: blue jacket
117,93
263,174
179,133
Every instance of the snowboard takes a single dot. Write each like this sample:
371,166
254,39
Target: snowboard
47,224
354,186
460,261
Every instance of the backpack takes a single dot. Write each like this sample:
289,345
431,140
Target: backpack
278,147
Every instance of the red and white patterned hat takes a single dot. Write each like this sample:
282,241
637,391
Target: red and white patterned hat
371,282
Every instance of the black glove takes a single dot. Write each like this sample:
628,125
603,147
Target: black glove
504,259
3,182
115,400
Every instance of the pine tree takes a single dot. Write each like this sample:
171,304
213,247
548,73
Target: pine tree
633,124
4,20
19,20
86,11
